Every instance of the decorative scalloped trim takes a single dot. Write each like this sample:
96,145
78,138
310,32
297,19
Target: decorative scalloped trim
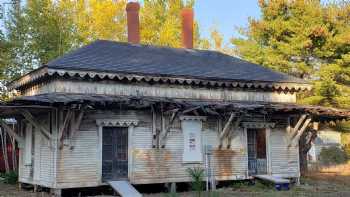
172,80
202,118
117,122
258,125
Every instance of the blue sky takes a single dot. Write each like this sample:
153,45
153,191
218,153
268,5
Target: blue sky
227,15
224,15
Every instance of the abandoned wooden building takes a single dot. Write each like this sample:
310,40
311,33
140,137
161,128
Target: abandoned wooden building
125,111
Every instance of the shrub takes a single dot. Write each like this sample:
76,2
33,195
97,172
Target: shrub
333,155
197,175
9,177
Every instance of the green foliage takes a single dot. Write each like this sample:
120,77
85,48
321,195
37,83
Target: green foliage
307,39
332,155
248,186
345,141
10,177
161,23
197,176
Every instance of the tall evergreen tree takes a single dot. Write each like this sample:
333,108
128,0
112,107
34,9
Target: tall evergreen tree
307,39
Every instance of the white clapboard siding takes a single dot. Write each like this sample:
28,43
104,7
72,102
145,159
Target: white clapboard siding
79,163
24,174
284,159
40,171
165,165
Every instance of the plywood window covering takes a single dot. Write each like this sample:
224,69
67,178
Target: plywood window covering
192,132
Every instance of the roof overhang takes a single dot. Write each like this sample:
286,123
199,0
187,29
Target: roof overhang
44,72
211,107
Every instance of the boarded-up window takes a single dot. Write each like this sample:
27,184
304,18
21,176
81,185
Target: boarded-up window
192,141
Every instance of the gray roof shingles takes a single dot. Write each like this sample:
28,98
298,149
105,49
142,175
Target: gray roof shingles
118,57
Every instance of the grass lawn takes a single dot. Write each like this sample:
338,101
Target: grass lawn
330,182
315,185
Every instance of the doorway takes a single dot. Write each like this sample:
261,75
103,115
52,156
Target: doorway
257,162
114,153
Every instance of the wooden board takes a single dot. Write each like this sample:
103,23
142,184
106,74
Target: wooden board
273,179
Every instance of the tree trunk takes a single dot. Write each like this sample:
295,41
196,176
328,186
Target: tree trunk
305,143
302,158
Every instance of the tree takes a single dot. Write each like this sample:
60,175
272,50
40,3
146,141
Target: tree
95,19
4,59
38,33
306,39
161,23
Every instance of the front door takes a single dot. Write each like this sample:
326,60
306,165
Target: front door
257,163
114,153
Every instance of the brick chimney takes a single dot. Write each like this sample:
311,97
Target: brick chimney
187,28
132,12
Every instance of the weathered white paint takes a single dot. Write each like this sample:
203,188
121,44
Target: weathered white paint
28,145
80,165
168,91
284,158
41,170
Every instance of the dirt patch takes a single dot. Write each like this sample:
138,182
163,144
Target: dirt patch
13,190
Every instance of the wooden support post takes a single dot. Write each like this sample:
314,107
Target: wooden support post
173,187
56,192
29,117
301,131
10,131
78,120
295,137
224,132
75,122
154,128
296,127
167,129
230,134
64,124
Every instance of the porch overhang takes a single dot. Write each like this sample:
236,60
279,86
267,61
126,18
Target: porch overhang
47,102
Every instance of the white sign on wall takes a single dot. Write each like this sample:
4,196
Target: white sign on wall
192,132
